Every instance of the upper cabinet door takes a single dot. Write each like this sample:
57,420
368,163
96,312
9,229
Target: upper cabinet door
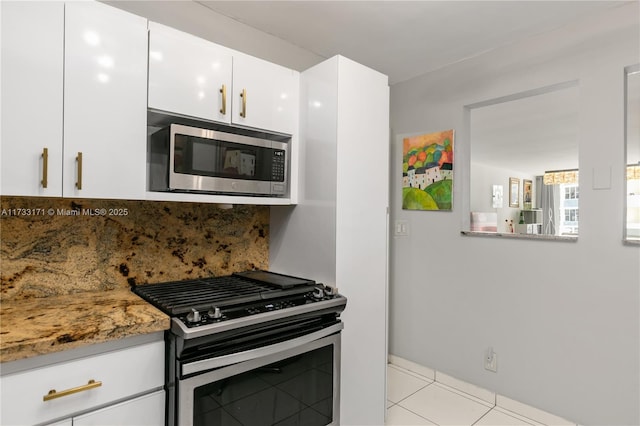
265,95
105,102
32,67
188,75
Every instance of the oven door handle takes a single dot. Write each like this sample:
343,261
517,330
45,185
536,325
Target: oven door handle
224,360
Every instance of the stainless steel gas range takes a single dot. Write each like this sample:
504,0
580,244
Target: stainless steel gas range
253,348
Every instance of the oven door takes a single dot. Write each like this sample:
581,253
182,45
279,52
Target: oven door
294,382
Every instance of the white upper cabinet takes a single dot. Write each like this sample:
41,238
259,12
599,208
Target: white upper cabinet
193,77
188,75
32,67
105,102
265,95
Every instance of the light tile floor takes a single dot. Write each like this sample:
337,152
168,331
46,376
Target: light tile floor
416,400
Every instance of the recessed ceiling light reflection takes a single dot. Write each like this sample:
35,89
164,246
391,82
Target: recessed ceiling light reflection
201,94
316,104
200,79
105,61
155,55
283,96
91,38
103,78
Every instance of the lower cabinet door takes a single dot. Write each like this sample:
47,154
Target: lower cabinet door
147,410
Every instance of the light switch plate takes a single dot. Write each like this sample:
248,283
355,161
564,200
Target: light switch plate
401,228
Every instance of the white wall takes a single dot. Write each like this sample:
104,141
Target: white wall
482,180
563,317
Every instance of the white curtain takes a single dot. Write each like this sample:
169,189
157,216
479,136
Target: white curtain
546,199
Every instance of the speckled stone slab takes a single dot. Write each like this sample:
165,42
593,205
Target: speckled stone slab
50,324
55,246
67,265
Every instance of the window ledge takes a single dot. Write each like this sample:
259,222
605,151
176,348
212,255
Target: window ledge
632,242
520,236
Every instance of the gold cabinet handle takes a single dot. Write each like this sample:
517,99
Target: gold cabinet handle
45,167
223,90
79,161
53,394
243,95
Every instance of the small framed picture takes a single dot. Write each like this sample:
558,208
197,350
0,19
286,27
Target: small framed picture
514,192
527,194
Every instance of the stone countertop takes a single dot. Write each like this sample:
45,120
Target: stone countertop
46,325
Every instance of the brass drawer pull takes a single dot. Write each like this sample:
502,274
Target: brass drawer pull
223,90
243,95
79,161
53,394
45,167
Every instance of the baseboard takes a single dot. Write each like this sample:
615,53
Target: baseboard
412,366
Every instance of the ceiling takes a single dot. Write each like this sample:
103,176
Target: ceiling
405,39
402,39
529,135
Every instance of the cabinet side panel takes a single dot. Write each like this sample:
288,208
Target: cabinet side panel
361,239
302,238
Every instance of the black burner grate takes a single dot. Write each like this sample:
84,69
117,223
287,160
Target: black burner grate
179,297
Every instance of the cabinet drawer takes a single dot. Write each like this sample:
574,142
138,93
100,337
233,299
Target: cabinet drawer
147,410
122,373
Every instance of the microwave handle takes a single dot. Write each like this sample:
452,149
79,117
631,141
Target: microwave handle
224,360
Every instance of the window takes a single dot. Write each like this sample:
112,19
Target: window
569,209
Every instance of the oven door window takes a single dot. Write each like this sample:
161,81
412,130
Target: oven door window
298,390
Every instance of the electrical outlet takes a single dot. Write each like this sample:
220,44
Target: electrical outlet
491,360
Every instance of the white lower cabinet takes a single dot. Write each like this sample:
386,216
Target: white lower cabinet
111,383
147,410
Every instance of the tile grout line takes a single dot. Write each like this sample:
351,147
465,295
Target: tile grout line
491,405
413,393
422,417
465,395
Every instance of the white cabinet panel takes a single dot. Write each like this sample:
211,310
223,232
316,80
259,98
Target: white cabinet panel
105,100
32,67
341,220
122,373
188,75
147,410
265,95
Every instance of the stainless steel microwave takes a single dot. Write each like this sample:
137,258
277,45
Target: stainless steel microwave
189,159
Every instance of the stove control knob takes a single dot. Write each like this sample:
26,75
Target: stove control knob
330,291
193,316
215,312
318,293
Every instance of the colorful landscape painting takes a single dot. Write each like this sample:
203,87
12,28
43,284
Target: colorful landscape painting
427,171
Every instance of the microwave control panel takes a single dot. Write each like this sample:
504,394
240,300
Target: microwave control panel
278,166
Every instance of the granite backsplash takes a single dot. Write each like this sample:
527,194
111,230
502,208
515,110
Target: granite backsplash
56,246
